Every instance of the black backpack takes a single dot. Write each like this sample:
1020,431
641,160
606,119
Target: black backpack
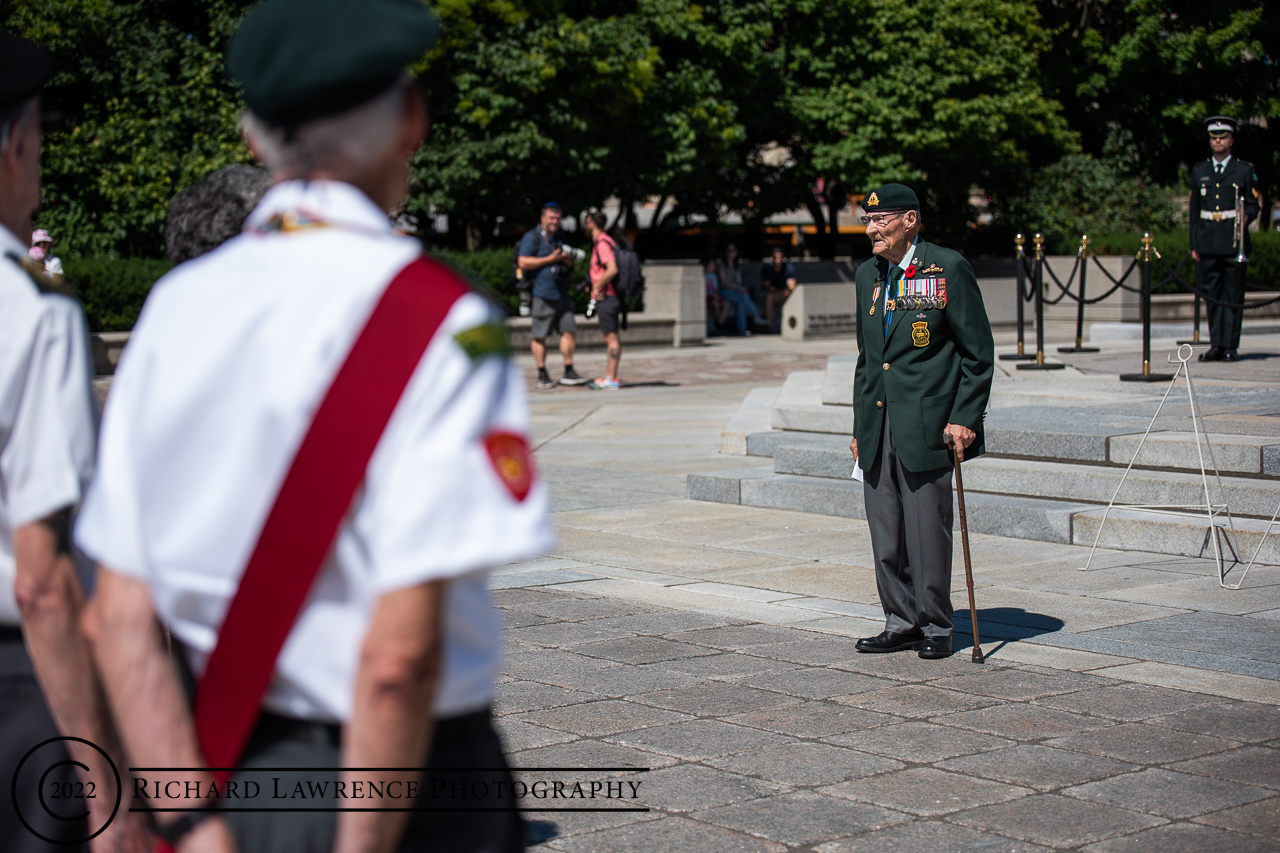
630,283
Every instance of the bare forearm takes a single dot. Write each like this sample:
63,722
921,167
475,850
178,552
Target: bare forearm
391,721
530,263
145,695
141,684
51,599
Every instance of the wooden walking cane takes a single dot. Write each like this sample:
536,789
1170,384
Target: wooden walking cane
964,542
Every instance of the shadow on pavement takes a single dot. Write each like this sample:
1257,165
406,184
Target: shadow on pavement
1005,624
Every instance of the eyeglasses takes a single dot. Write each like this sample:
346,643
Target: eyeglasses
880,220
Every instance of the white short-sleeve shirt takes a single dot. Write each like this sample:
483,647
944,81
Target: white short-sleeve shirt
227,365
46,408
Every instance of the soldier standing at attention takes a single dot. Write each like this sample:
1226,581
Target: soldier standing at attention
925,361
47,436
1216,186
313,451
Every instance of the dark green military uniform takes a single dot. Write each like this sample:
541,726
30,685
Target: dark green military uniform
1214,190
930,365
933,368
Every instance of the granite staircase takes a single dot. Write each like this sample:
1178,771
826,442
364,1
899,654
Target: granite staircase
1057,450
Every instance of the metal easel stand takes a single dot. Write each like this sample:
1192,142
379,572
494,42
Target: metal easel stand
1258,550
1214,532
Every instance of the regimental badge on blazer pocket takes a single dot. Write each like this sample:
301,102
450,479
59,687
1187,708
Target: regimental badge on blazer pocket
920,333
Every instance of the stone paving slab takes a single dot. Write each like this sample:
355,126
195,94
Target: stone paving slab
750,763
712,644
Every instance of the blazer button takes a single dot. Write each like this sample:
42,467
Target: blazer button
886,365
879,405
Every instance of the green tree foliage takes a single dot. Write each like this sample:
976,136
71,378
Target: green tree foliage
747,107
532,103
1157,68
146,110
942,95
1082,194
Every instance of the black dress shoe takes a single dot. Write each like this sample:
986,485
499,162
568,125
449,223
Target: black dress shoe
1231,355
1212,354
935,648
889,641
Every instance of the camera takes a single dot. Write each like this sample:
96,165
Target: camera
564,272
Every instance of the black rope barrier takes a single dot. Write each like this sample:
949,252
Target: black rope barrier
1119,282
1030,273
1064,288
1240,306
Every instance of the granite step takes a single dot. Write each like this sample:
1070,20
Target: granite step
1252,455
1054,480
1018,517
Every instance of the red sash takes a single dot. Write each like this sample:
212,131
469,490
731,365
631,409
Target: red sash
312,503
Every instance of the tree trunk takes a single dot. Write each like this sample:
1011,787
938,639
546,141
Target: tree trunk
475,234
835,201
821,239
657,213
623,206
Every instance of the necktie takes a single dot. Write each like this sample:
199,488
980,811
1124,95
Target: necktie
1218,168
891,292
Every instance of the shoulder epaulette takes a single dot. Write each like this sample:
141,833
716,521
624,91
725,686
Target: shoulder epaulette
39,277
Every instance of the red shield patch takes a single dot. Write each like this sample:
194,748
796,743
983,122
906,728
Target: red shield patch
509,453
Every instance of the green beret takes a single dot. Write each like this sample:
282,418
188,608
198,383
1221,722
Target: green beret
24,69
890,198
302,60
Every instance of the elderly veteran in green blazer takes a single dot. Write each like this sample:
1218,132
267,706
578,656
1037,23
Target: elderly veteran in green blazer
925,362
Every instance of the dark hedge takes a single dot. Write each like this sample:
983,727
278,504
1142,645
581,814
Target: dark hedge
113,289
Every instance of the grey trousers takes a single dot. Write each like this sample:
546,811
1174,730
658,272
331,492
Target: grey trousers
910,516
467,750
24,723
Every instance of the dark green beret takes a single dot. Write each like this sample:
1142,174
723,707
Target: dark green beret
24,69
890,198
302,60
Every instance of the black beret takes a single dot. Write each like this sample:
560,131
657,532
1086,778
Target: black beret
302,60
890,198
24,69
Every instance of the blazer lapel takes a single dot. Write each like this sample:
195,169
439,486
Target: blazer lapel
874,336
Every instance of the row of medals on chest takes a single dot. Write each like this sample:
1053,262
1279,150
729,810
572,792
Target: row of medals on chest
908,303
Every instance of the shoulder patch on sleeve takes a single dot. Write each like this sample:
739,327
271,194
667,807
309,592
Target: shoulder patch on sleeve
509,454
484,340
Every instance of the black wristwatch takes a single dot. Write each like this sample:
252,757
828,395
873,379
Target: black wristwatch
187,821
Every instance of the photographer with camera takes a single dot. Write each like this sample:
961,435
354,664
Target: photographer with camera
549,262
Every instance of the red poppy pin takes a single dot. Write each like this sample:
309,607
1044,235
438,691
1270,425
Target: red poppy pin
910,272
509,453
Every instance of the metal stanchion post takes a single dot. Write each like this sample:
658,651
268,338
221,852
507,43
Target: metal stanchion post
1038,284
1084,266
1019,260
1144,254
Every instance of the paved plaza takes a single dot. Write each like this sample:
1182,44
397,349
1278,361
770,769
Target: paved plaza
1135,707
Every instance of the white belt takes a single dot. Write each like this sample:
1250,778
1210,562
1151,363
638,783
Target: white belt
1218,215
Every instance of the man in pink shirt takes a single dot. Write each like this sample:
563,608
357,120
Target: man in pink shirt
603,272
